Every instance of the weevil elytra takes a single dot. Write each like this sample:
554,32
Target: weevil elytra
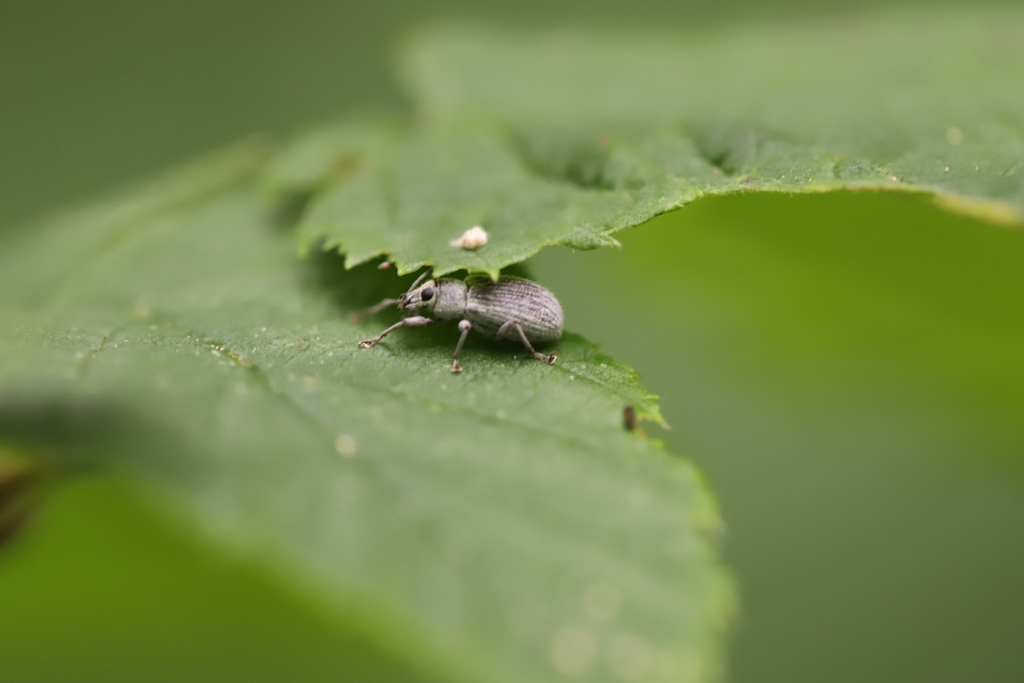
511,307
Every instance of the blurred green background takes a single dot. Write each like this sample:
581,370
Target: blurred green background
845,368
847,371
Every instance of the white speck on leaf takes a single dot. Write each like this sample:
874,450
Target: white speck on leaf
345,445
474,238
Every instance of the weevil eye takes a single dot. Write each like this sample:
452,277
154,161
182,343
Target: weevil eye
427,294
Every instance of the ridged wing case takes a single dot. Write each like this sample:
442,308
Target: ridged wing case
490,304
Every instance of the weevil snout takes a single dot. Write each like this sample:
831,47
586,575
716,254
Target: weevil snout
420,297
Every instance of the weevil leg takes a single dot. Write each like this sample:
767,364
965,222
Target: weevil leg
464,327
509,325
413,321
358,316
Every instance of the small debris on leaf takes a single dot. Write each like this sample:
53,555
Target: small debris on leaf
629,418
474,238
20,495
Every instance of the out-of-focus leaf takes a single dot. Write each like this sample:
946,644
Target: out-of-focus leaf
496,525
918,101
102,589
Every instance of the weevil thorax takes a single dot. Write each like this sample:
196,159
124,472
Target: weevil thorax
446,299
451,299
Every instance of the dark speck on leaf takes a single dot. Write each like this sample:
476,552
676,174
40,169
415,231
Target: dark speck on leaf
629,418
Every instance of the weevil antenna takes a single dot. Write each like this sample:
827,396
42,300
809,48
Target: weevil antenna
421,278
357,317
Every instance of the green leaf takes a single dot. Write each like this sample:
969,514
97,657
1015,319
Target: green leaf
496,525
917,101
413,198
565,137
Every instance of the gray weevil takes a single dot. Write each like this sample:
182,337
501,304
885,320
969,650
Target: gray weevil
511,306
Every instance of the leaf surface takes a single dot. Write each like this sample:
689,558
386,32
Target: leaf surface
565,137
496,525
